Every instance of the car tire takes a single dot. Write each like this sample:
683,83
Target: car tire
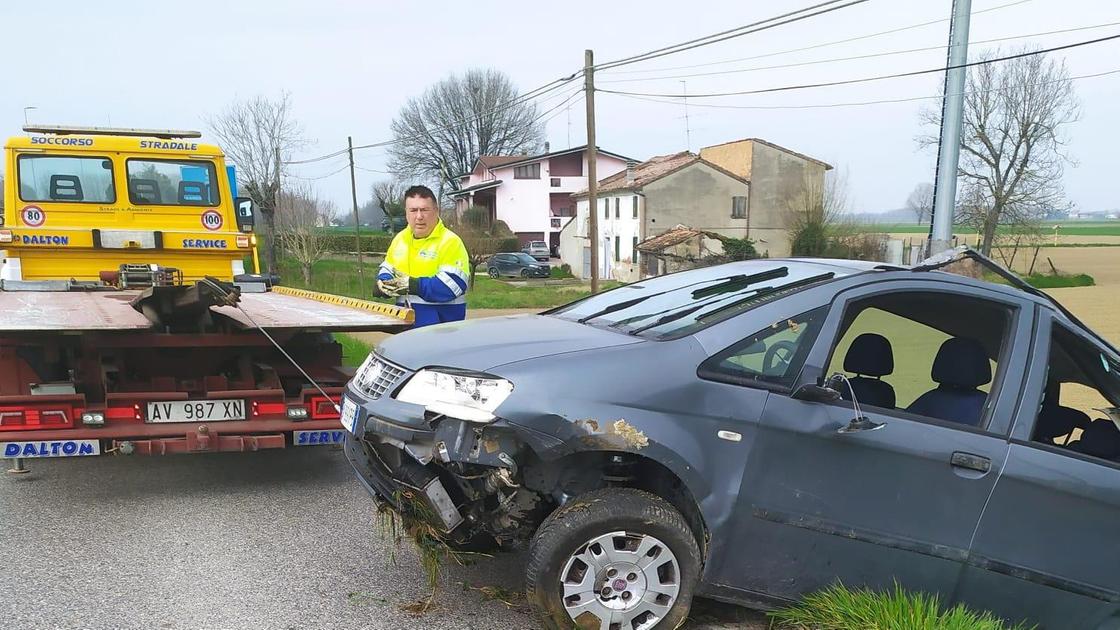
493,273
524,273
621,516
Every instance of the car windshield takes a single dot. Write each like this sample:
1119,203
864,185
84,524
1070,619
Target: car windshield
525,259
680,304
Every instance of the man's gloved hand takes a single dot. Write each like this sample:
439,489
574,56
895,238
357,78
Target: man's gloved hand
387,288
399,283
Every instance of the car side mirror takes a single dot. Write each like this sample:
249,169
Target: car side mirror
815,393
245,214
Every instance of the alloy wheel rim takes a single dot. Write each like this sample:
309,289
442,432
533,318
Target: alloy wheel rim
620,581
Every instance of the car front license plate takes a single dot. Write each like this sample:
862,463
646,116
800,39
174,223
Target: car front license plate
349,414
196,411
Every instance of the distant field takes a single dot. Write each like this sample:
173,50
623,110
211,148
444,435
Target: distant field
1069,228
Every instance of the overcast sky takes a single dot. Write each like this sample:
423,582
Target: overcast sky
350,66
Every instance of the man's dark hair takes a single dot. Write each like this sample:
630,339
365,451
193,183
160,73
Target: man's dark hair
422,192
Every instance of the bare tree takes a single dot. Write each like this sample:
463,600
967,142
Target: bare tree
300,219
388,195
251,132
440,134
920,202
814,213
480,236
1015,116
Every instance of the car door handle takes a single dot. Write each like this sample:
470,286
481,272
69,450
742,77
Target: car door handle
971,462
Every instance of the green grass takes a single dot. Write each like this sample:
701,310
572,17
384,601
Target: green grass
344,229
1068,228
1048,281
840,608
340,277
354,350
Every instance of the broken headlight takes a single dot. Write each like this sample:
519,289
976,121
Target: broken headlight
459,394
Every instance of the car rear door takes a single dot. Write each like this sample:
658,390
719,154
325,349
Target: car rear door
899,503
1047,546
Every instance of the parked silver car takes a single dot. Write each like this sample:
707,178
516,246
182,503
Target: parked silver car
760,430
538,250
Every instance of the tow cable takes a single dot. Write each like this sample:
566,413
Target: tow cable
233,298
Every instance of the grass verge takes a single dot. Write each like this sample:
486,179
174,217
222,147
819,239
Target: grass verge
840,608
340,277
354,350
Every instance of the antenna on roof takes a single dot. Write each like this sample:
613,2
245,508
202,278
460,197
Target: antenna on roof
64,130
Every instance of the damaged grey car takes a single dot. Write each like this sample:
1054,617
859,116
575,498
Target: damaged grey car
757,431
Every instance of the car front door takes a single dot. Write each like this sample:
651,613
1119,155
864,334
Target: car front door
873,506
1046,548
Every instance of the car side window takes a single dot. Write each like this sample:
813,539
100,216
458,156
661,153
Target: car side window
773,355
924,353
1080,410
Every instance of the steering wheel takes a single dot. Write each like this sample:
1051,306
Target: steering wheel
778,357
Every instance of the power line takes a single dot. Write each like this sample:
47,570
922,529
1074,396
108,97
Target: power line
505,106
755,27
859,103
311,179
317,159
815,46
898,75
858,57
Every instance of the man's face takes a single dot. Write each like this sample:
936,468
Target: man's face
422,214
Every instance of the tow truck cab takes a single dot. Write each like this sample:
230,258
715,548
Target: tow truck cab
81,202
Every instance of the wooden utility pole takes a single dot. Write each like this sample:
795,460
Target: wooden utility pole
592,178
354,196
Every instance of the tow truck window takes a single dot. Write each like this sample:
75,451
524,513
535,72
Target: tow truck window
172,183
65,178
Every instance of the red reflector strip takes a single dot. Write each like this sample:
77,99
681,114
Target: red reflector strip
270,409
322,408
122,413
35,417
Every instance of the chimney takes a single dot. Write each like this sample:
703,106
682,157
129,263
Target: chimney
546,147
630,164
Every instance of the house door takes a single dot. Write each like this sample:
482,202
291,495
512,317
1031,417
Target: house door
605,259
586,263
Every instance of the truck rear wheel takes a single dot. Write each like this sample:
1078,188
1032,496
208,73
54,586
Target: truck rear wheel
613,558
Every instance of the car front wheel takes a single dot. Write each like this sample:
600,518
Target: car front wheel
613,558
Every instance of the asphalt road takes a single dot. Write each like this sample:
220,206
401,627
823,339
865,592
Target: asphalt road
282,539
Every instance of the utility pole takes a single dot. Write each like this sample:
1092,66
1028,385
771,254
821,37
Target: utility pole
687,130
354,195
272,221
592,180
952,112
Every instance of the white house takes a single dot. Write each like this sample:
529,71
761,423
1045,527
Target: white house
532,194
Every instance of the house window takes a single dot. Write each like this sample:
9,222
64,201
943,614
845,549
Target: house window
528,171
617,241
634,205
616,200
606,208
634,251
738,207
555,182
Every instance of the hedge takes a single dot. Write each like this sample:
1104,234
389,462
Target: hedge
379,243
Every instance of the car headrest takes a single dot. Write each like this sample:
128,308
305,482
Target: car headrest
1100,439
869,355
961,362
1056,421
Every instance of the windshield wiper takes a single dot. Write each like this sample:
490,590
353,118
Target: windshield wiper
726,284
770,291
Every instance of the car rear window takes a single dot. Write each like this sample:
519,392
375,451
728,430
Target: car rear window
681,304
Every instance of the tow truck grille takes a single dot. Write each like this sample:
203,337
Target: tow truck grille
376,376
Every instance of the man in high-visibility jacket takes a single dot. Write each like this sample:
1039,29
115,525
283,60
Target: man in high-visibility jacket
426,266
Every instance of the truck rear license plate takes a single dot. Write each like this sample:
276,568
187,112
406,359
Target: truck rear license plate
196,411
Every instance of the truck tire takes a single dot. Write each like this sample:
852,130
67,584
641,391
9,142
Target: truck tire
619,553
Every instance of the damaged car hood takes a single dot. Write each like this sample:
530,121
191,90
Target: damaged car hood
483,344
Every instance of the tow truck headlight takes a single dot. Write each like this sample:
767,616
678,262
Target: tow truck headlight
460,394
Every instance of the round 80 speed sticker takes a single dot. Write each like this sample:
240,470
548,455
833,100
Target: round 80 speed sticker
33,216
212,220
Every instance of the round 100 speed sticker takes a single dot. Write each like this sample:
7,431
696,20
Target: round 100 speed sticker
33,216
212,220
